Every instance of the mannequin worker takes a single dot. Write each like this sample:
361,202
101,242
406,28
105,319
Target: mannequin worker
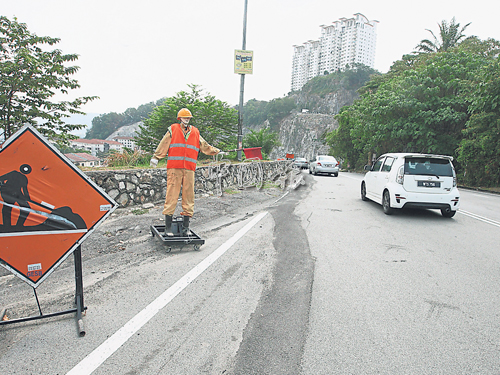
181,143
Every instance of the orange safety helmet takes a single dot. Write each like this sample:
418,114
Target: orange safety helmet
184,112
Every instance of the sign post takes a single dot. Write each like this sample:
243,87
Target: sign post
48,208
245,65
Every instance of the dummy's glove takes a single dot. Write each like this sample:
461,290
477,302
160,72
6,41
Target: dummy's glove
153,163
223,153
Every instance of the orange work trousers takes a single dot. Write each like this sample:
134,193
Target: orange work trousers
177,178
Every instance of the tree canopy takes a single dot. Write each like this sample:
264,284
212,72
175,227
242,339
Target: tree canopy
217,122
479,150
31,76
263,138
104,125
257,112
427,103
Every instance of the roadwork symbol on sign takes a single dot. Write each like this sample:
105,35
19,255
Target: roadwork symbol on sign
49,207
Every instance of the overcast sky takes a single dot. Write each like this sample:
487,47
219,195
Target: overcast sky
134,52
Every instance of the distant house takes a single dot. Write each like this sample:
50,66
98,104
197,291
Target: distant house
82,159
96,145
127,142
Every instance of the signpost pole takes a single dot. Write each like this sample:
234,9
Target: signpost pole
78,299
242,88
79,289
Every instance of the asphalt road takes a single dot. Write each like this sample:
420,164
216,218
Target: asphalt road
315,281
411,293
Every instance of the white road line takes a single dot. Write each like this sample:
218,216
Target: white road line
92,361
466,213
480,218
283,196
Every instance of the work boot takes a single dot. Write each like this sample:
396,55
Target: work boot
168,226
185,225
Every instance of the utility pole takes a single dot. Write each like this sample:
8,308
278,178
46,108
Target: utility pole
242,88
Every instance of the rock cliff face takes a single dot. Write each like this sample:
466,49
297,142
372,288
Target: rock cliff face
126,131
302,133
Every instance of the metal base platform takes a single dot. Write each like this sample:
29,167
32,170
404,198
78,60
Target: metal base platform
178,240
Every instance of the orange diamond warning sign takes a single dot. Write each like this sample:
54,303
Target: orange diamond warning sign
49,207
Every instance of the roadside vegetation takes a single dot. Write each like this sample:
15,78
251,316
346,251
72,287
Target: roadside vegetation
31,74
442,99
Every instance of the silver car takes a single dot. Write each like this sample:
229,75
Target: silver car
324,164
301,163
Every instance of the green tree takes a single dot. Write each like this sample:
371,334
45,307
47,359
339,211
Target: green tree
474,46
255,112
104,125
421,105
278,109
342,144
217,122
30,77
263,138
479,151
449,37
350,79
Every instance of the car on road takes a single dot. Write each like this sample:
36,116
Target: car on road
324,164
412,180
301,163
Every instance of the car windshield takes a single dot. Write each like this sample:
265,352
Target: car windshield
326,158
428,167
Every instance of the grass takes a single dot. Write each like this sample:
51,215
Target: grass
270,185
231,191
140,211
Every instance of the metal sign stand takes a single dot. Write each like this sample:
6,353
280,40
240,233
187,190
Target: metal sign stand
78,299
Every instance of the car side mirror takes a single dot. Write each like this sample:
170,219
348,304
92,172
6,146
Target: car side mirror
368,168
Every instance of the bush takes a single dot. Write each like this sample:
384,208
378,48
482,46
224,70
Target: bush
127,159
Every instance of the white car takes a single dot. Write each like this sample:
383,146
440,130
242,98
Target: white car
410,180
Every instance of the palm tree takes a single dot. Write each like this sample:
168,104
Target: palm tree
263,138
449,36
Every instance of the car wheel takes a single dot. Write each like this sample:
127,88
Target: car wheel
310,172
447,212
386,203
363,192
336,174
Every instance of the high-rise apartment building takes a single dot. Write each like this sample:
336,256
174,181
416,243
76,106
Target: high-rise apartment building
347,41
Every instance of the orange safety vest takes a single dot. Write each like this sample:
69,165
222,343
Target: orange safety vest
183,153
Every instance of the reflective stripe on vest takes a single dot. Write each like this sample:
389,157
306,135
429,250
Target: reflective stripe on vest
183,153
184,145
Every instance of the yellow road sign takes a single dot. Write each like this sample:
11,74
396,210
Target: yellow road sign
243,62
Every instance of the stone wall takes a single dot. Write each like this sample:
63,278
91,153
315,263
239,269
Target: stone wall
140,186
